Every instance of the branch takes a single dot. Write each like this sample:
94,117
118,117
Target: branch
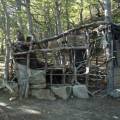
71,31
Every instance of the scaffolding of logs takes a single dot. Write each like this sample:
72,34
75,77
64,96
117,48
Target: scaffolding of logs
66,57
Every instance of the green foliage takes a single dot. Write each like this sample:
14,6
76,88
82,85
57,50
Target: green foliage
44,18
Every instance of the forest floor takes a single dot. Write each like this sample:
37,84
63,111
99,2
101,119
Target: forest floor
94,108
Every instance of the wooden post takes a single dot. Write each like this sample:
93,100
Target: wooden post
75,69
28,71
97,82
51,77
63,79
46,60
88,57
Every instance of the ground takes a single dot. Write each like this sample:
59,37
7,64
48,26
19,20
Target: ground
95,108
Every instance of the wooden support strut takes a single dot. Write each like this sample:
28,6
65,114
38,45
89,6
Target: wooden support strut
28,70
88,60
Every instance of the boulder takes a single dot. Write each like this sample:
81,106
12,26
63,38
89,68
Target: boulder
38,79
80,91
115,93
44,94
63,92
38,76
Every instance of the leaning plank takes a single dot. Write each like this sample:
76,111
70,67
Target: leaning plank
28,71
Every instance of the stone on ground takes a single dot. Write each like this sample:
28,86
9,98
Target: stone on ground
115,93
80,91
37,79
63,92
44,94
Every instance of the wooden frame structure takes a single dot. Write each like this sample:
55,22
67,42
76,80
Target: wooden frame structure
62,48
61,66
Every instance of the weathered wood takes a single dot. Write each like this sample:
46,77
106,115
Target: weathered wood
88,58
28,71
72,31
110,68
21,75
50,50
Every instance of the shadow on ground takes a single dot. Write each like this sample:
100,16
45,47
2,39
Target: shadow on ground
95,108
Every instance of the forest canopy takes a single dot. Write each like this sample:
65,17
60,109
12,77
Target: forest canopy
46,18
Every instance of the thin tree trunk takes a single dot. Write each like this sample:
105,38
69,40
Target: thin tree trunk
7,41
110,69
81,12
90,11
67,13
2,46
47,21
58,16
30,23
19,18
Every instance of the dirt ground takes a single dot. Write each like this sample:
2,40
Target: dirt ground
95,108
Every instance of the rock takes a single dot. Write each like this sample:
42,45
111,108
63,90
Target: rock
115,117
115,93
38,79
63,92
45,94
80,91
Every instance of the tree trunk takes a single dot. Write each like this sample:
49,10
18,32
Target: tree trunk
67,13
81,12
90,12
7,41
30,23
110,69
58,16
19,18
48,31
2,46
